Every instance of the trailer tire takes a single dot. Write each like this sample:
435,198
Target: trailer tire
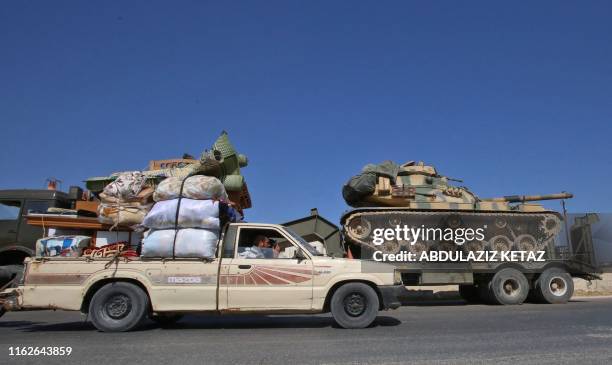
118,307
554,286
354,305
2,311
469,293
508,287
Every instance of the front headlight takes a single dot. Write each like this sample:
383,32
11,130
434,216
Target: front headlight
397,277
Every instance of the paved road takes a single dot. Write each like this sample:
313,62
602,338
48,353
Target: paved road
580,331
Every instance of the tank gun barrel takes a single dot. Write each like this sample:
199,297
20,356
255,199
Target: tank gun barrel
453,179
529,198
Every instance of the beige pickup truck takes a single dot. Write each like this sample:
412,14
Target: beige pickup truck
294,277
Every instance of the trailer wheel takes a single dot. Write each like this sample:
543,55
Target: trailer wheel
469,293
118,307
508,286
354,305
2,311
554,286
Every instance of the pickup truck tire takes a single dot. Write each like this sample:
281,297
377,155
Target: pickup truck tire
118,307
354,305
508,286
10,272
554,286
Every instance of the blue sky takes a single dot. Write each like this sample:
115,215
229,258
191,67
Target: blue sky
513,98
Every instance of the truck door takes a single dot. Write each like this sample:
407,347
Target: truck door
267,278
9,220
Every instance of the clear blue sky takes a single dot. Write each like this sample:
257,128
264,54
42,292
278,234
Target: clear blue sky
513,98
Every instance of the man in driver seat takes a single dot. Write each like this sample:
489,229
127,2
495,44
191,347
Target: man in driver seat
261,249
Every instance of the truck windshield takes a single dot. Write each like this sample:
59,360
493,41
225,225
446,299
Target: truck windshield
303,242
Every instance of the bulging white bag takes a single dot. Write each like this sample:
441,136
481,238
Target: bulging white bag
196,187
190,243
193,214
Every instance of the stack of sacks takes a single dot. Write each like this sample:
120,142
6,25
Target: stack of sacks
67,246
125,201
197,230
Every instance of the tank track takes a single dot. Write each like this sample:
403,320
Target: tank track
503,231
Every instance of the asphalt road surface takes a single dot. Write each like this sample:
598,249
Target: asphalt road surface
442,333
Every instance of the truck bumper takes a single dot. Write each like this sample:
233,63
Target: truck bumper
391,295
9,300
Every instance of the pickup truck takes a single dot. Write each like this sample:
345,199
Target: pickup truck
118,293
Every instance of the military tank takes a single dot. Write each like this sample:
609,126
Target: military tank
414,195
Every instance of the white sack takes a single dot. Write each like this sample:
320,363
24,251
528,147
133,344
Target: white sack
194,214
190,243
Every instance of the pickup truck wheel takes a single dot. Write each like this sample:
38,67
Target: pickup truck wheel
508,286
165,320
554,286
354,305
118,307
10,272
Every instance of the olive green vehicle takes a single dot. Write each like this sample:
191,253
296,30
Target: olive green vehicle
17,238
415,195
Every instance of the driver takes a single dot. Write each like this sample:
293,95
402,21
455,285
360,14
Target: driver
261,249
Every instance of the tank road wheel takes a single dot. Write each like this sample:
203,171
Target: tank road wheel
475,246
118,307
469,293
354,305
554,286
500,243
418,248
360,228
508,286
526,242
390,247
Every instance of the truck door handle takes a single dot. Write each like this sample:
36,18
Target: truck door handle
244,266
12,231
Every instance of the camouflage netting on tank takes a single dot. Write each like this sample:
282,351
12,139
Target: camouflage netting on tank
362,185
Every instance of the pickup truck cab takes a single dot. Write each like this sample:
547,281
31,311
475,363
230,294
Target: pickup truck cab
118,293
